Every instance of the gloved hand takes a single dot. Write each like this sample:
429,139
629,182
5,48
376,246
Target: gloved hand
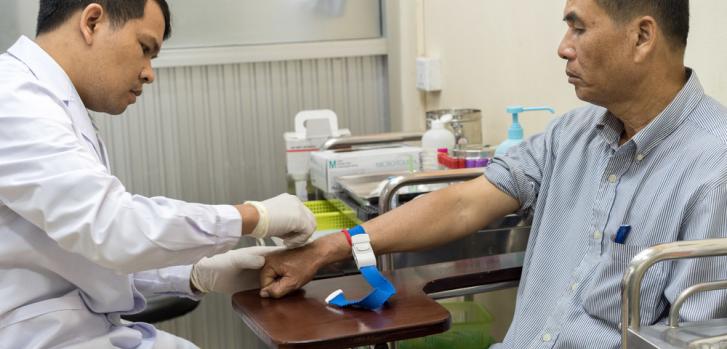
232,271
286,217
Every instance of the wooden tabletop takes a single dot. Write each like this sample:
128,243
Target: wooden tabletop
303,320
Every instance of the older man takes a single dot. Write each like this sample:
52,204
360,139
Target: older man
77,249
649,153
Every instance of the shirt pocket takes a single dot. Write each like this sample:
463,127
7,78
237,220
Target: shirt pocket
602,296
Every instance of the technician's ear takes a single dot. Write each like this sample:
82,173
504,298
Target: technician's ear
646,32
91,17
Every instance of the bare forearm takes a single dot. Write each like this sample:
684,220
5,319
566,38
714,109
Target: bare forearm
429,221
440,217
249,218
330,249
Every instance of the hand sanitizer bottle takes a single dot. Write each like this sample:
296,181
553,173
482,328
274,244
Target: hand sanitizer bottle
515,133
437,137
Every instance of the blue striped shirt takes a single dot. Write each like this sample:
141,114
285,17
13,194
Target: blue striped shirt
669,182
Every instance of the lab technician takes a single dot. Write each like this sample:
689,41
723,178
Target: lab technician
77,249
649,152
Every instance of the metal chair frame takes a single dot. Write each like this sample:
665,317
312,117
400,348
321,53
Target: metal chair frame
631,283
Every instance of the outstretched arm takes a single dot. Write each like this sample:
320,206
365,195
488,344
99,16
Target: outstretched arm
428,221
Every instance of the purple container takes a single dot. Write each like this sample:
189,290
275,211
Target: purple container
474,156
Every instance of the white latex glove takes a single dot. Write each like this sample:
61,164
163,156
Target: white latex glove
286,217
232,271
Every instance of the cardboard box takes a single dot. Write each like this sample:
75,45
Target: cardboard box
325,166
312,129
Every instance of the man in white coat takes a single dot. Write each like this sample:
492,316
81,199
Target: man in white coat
77,249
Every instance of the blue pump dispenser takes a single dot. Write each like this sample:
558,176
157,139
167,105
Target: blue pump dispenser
515,132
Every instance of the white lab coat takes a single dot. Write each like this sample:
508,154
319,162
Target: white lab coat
76,249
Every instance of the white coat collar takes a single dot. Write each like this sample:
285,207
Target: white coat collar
47,70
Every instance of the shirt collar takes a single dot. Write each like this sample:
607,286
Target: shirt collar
45,68
663,125
609,128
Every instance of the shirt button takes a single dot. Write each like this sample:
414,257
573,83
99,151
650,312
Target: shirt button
612,178
640,157
597,235
547,337
574,286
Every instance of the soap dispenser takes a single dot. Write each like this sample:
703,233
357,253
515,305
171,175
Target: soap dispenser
437,137
515,132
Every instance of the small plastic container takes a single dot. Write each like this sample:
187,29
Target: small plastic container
332,214
467,156
471,156
474,156
470,329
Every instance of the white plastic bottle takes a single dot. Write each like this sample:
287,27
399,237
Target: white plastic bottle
435,138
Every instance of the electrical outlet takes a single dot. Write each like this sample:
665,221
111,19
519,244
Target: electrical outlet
429,74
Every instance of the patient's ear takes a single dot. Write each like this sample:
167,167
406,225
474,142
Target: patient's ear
646,33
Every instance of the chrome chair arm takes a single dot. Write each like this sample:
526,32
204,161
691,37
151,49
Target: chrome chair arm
698,288
381,138
631,283
430,177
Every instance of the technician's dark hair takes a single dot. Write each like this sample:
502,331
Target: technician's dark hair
671,15
53,13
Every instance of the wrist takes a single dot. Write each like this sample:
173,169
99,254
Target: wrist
194,282
250,217
332,248
193,287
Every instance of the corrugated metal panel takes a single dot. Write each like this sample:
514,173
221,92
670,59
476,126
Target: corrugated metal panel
214,134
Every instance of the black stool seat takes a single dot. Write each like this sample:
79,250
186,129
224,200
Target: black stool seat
162,308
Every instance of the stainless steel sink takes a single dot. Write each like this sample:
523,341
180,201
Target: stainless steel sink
508,235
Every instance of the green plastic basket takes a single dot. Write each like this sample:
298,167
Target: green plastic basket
332,214
470,329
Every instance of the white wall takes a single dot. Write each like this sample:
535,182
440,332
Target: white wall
402,27
498,53
707,46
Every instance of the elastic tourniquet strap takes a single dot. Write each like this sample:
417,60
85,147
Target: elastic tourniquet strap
366,262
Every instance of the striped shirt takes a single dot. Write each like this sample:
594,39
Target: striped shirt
669,182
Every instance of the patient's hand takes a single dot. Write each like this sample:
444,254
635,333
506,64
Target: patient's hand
287,271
